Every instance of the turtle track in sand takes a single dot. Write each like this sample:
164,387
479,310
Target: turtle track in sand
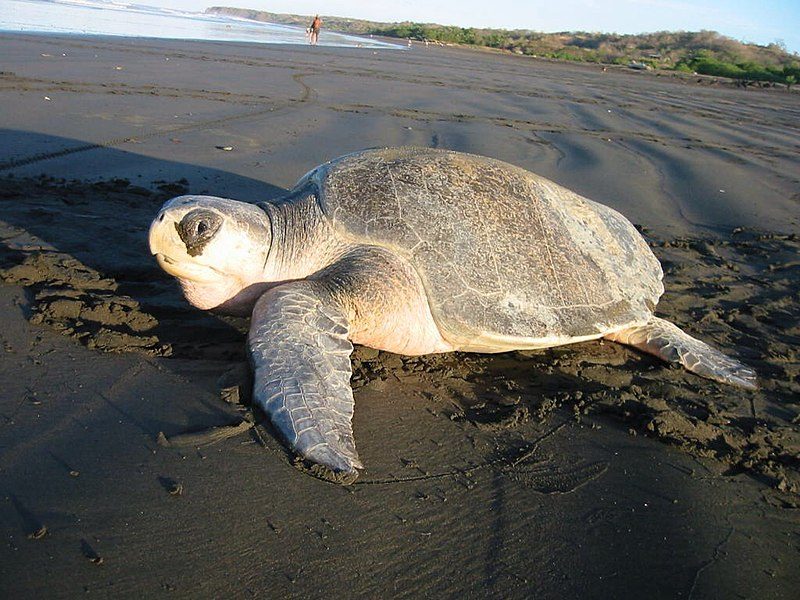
267,108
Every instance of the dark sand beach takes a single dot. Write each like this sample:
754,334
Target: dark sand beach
585,471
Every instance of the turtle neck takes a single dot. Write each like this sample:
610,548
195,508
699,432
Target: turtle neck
303,241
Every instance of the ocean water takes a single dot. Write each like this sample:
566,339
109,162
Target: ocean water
100,17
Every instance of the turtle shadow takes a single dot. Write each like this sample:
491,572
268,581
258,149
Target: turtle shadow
80,250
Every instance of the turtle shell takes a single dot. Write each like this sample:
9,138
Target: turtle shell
507,258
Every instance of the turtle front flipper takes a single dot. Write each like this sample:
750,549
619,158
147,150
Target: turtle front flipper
668,342
301,358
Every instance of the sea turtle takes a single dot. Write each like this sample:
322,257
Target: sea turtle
413,251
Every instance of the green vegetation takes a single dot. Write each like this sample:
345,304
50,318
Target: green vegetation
707,64
703,52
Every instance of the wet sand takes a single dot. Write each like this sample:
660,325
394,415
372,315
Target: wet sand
587,471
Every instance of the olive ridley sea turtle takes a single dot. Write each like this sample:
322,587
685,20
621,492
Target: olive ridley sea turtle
413,251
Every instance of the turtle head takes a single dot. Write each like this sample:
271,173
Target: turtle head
215,247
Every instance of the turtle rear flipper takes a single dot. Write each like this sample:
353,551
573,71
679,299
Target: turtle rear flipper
669,343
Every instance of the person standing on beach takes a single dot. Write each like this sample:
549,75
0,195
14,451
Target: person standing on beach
315,26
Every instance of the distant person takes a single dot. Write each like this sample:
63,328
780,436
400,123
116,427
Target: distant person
314,28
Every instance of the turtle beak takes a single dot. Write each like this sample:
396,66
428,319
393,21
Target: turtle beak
187,270
159,238
164,243
164,261
167,264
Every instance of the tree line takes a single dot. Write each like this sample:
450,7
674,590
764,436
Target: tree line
703,52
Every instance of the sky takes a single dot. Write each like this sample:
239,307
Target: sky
762,22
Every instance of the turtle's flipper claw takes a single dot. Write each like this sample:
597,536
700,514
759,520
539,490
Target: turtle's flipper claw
336,459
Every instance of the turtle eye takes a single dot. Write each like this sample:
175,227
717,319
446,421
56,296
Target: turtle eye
197,228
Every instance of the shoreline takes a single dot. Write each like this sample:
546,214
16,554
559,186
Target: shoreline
394,44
